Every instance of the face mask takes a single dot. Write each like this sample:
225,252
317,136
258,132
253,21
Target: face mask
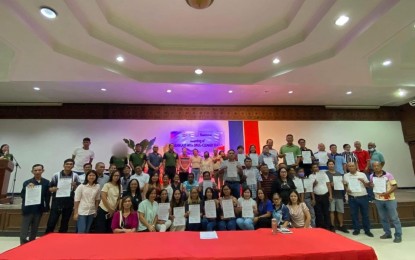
301,174
371,149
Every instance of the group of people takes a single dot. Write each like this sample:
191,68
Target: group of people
236,190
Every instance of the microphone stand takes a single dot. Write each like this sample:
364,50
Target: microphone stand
14,179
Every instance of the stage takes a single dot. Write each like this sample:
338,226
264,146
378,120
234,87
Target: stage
260,244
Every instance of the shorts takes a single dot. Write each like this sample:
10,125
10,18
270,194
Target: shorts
337,205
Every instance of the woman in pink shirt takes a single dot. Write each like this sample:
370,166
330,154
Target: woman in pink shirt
125,220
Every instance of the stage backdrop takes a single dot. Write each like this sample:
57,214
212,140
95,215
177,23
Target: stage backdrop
50,142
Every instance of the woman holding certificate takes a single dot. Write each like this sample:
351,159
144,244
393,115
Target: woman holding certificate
193,209
248,208
125,220
228,204
147,212
211,210
177,212
163,222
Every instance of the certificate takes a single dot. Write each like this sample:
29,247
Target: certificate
308,185
273,152
33,195
338,182
254,158
210,209
379,185
179,219
247,209
163,211
206,184
299,185
64,187
194,216
306,157
354,185
250,177
269,162
228,210
289,158
232,171
241,158
208,235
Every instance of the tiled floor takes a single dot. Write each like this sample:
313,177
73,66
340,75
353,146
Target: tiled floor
385,249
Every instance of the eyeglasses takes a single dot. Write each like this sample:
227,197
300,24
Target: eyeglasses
276,198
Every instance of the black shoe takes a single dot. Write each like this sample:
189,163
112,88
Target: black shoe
343,229
384,236
356,232
369,234
397,240
332,229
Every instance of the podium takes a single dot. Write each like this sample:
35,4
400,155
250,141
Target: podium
6,169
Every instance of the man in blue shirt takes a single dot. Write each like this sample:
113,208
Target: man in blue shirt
339,160
154,161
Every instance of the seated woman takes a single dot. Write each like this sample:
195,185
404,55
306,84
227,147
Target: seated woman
209,222
193,199
147,211
263,220
163,225
228,204
207,180
280,212
133,190
248,209
283,185
176,202
125,220
299,213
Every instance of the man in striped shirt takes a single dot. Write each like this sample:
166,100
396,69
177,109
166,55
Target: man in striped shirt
348,155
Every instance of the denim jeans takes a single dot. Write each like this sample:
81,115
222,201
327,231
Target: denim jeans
387,210
228,224
235,188
245,223
196,172
359,204
310,207
84,223
208,225
369,189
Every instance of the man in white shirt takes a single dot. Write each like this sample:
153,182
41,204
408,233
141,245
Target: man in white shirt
323,196
140,176
321,156
232,172
355,183
82,156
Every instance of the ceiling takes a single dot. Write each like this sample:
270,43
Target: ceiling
71,58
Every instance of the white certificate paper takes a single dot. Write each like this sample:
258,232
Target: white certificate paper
299,185
163,211
250,178
289,158
247,210
273,152
228,210
254,158
354,185
64,187
194,216
208,235
338,182
232,171
179,219
379,185
210,209
206,184
306,157
308,185
268,161
33,195
241,158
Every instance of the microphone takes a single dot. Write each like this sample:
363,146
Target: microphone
17,163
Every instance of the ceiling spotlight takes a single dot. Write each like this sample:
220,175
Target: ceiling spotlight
290,92
230,91
199,71
48,12
168,91
104,89
348,93
387,63
36,88
402,92
276,61
120,58
342,20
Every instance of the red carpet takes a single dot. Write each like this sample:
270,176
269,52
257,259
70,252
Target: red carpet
305,244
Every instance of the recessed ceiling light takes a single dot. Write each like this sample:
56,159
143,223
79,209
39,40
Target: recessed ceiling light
342,20
276,61
290,92
198,71
104,89
36,88
402,92
348,93
230,91
387,63
48,12
168,91
120,58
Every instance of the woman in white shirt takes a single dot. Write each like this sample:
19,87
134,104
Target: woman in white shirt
248,209
87,197
110,194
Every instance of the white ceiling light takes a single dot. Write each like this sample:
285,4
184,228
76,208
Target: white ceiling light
168,91
48,12
342,20
104,89
120,58
36,88
276,61
348,93
402,92
290,92
198,71
387,63
230,91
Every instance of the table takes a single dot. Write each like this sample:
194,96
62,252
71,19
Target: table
305,244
